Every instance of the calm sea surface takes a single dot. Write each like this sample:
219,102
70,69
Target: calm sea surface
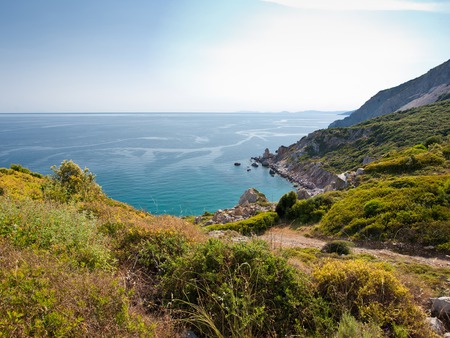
174,163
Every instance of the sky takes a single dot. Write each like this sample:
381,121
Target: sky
213,55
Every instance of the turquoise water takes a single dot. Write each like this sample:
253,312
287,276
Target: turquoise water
174,163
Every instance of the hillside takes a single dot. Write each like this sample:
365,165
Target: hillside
76,263
315,161
428,88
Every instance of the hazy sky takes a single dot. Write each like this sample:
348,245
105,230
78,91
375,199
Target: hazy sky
213,55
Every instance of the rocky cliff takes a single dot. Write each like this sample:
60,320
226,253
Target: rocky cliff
309,177
428,88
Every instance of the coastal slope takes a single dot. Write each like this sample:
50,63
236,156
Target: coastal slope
319,160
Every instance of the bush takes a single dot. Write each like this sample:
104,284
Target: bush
311,210
253,225
371,294
408,209
433,140
19,168
242,290
21,185
286,202
70,182
349,327
44,297
157,249
446,151
406,164
338,247
373,207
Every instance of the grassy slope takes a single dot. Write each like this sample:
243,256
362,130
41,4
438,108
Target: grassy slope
97,267
383,135
405,194
63,264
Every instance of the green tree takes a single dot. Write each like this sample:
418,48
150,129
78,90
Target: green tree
285,203
76,182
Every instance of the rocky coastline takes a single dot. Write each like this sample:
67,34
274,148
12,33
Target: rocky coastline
308,177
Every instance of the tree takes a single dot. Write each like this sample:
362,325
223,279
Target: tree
74,180
286,202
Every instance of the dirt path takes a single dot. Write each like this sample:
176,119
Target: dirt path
288,238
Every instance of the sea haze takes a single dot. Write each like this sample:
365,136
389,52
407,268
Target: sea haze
165,163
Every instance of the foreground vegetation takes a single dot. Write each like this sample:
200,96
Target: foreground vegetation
76,263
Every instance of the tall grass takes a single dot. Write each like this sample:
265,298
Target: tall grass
42,296
59,229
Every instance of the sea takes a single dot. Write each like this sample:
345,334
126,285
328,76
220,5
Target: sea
164,163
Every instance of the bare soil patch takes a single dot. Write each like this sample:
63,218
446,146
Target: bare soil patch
290,238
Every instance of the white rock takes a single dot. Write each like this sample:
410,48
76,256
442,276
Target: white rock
436,325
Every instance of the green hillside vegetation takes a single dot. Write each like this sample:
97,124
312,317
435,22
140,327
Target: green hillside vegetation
404,209
403,196
254,225
342,149
75,263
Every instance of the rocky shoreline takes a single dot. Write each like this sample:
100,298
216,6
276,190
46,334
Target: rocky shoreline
308,177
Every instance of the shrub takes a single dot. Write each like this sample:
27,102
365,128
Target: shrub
21,185
242,290
406,163
253,225
446,151
339,247
310,210
19,168
408,209
370,293
44,297
433,140
285,203
349,327
160,247
372,207
72,182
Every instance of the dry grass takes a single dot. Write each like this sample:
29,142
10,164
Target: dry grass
43,296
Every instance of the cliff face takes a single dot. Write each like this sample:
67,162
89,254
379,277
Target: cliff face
428,88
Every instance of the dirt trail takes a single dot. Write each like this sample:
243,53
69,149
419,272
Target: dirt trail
288,238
